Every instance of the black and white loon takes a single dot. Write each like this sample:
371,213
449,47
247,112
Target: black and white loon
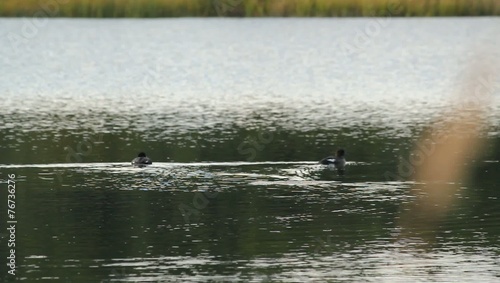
337,160
141,159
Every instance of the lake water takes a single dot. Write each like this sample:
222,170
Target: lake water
235,114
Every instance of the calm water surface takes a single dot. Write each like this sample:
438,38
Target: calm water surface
235,114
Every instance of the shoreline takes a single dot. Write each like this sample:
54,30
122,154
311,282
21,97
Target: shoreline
247,8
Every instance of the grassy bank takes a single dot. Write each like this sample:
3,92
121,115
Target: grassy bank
247,8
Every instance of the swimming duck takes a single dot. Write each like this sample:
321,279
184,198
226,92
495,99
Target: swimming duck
337,160
141,159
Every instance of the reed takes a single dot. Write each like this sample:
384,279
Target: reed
246,8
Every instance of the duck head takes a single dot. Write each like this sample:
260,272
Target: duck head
340,153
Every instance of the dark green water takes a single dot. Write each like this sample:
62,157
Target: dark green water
238,220
234,193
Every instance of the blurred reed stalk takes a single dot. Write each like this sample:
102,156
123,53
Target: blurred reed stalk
444,157
247,8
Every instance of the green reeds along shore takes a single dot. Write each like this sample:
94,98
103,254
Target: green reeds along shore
246,8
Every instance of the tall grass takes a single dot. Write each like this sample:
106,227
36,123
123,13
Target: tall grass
247,8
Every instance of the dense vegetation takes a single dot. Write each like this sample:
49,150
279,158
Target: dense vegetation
246,8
